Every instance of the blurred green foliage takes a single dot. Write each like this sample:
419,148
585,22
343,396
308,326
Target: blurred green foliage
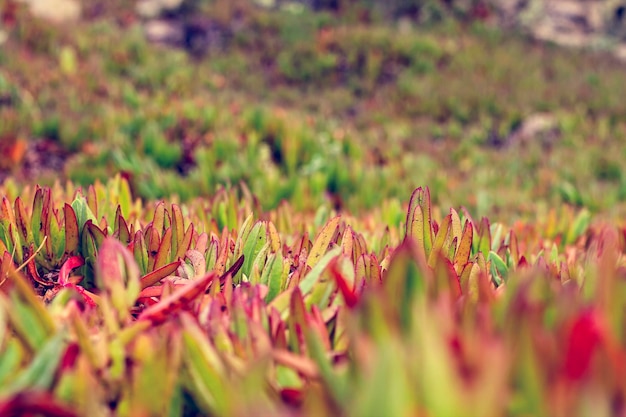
338,108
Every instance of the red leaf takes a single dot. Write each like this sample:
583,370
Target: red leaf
350,297
161,311
584,337
70,264
292,396
34,403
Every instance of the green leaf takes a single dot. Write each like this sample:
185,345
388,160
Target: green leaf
121,227
578,227
82,212
498,267
255,241
272,276
41,371
281,302
205,369
484,237
310,279
404,282
10,361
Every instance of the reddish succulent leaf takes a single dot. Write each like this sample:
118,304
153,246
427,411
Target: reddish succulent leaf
68,361
514,247
153,291
21,219
424,202
292,396
362,271
72,263
322,241
6,211
583,339
465,247
72,234
455,224
440,239
165,248
413,204
523,263
158,274
446,277
347,243
300,364
274,237
95,232
158,220
140,252
39,222
232,271
153,239
118,274
298,323
348,293
121,227
92,200
220,264
28,403
415,230
178,232
185,244
360,247
317,324
5,266
159,313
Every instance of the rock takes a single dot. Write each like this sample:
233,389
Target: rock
164,31
151,9
542,127
574,23
57,11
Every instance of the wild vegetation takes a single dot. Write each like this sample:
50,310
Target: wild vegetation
246,229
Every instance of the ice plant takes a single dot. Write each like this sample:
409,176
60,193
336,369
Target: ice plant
156,310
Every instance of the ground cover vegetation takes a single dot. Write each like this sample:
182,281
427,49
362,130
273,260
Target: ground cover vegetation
238,228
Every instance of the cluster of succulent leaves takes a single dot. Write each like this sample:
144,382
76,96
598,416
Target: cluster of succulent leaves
342,109
216,307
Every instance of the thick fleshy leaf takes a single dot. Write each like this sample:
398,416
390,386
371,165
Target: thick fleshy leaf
118,275
320,245
255,241
181,298
158,274
72,233
39,375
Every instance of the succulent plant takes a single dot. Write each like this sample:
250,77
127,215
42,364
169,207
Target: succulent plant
161,313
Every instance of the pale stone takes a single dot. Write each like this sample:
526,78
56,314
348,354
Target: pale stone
542,127
57,11
163,31
153,8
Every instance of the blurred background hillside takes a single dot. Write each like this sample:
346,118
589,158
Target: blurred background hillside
506,107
